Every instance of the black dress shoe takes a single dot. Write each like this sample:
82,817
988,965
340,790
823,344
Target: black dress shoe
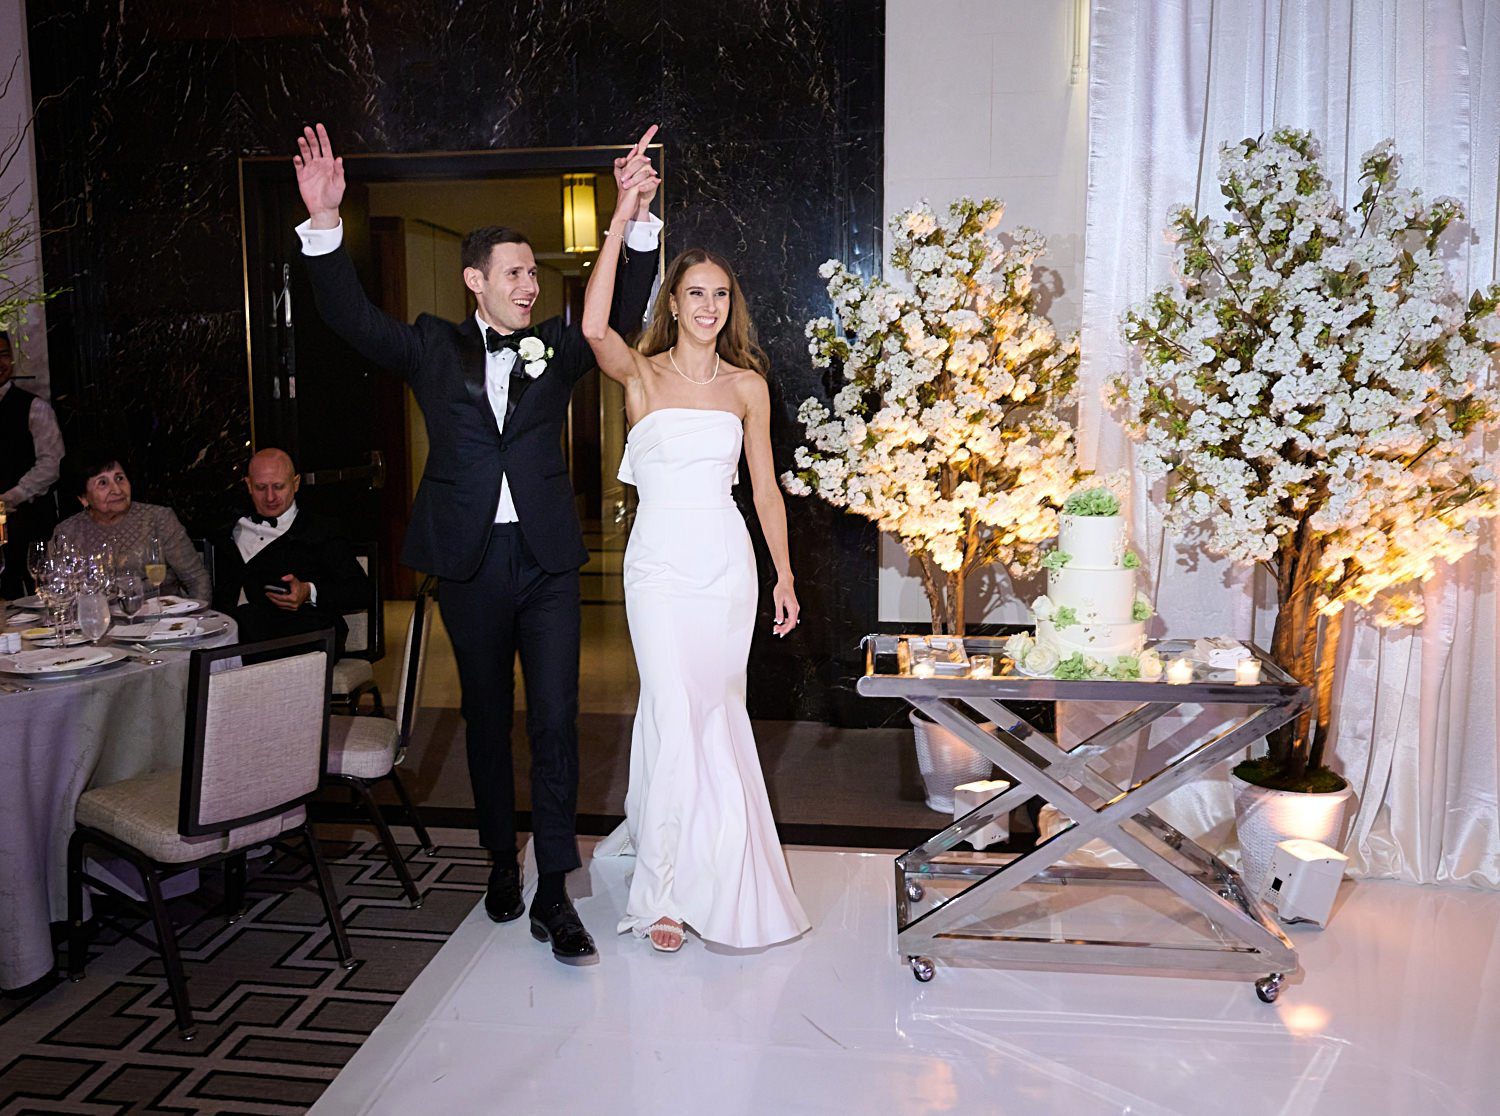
502,902
559,924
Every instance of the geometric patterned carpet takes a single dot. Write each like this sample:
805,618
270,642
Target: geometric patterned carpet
277,1016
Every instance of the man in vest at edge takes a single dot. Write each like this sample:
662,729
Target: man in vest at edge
494,517
31,453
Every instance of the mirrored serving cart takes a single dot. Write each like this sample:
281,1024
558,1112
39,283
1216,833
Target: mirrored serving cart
1178,911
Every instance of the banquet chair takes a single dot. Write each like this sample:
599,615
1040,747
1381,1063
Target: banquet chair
254,746
364,646
363,751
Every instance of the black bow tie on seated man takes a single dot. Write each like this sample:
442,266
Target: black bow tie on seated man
269,521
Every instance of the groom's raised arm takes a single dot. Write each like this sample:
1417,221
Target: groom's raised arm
341,299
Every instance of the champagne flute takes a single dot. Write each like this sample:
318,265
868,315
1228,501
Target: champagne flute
36,559
156,564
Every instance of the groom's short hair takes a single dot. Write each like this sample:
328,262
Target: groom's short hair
480,243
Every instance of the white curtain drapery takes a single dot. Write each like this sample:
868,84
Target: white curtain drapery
1170,81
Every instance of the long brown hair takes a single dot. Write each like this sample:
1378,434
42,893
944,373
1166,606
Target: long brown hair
736,343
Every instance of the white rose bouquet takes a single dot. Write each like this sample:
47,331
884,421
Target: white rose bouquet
946,429
1316,394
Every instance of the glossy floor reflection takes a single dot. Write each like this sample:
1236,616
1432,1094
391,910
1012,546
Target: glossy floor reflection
1397,1010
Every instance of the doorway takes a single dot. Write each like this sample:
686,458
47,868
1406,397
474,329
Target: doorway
355,432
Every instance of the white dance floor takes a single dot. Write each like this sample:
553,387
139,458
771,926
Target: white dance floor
1397,1010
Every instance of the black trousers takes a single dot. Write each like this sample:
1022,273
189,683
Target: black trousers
511,604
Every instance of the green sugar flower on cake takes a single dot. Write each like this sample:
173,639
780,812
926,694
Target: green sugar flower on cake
1065,616
1126,668
1141,609
1073,667
1131,561
1056,560
1092,501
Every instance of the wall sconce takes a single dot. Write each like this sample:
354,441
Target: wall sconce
580,219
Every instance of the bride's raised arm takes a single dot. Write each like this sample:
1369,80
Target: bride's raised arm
770,508
617,360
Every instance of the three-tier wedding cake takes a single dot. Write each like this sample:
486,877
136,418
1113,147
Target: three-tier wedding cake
1092,607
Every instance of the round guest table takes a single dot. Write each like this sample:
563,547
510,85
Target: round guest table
57,740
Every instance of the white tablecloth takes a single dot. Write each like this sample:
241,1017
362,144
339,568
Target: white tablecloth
56,742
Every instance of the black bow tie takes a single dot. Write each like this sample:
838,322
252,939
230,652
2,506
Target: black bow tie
269,521
494,340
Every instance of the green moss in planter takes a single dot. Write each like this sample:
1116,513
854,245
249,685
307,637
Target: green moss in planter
1265,772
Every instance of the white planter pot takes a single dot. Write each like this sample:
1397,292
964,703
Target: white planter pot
945,762
1265,818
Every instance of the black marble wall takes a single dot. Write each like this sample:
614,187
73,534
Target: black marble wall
771,114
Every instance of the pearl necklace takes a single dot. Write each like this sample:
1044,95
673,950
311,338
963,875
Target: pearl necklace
689,379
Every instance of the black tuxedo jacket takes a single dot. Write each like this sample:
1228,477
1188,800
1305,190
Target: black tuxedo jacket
314,549
468,454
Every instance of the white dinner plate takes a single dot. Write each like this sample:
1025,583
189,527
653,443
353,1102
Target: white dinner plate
30,665
205,628
176,606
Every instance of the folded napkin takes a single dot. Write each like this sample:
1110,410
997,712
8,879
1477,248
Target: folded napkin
73,658
172,606
179,628
1220,652
18,618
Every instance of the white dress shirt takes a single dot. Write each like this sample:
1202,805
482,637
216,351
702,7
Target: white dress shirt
250,538
47,439
640,236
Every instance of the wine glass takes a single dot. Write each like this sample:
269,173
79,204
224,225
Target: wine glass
93,614
156,564
132,593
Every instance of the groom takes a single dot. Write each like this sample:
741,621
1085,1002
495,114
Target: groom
494,516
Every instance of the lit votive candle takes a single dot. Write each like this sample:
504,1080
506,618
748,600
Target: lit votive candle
1179,672
923,668
981,666
1247,672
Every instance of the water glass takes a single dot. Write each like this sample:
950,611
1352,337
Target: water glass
93,614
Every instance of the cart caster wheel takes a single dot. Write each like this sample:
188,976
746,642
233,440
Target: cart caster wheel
923,969
915,891
1268,988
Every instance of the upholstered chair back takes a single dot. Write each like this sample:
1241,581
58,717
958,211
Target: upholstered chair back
257,730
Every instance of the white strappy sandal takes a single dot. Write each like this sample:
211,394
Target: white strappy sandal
666,926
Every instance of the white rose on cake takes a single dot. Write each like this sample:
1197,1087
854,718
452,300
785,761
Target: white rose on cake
1017,646
1040,658
1043,608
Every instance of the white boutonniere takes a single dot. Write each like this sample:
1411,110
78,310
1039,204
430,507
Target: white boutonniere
535,353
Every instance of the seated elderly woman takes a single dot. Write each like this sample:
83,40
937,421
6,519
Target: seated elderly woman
110,515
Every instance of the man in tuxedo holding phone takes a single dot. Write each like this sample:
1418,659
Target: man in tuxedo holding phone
280,569
494,516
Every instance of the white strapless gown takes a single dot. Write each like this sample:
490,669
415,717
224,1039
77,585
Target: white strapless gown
697,818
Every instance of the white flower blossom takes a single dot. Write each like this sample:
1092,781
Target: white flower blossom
1317,368
945,428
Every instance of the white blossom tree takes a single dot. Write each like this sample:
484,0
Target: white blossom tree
1316,393
945,431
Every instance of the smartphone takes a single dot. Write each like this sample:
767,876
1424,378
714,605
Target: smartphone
278,588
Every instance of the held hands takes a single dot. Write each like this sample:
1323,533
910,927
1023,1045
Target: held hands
636,181
784,607
295,597
320,177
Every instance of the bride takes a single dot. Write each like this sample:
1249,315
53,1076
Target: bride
697,816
